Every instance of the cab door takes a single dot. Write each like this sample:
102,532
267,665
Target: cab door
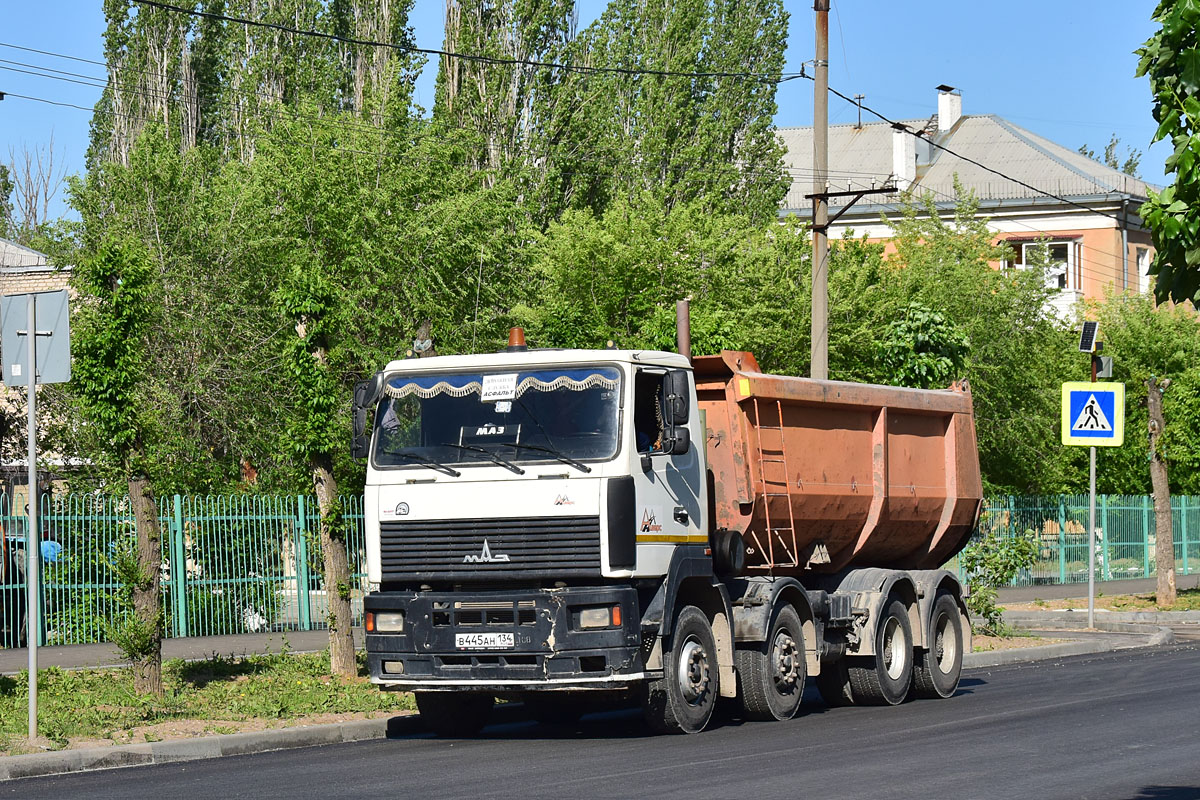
668,487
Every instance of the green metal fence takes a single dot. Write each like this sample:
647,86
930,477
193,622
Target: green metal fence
1125,535
236,564
247,563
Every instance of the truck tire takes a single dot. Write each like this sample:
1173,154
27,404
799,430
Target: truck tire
884,678
683,699
771,675
937,669
553,708
455,714
833,682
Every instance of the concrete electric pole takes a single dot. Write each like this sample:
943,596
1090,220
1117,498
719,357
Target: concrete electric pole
820,266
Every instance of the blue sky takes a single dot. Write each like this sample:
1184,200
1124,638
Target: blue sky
1060,69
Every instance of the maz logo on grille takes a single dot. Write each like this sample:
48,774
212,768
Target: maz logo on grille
487,556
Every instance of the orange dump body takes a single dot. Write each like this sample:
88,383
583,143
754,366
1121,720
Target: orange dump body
823,475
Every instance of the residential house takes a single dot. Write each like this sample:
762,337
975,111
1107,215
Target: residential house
1083,212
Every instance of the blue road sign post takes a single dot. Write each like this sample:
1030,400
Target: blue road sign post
1093,415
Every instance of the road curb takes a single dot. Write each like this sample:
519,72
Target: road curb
997,658
59,762
1156,635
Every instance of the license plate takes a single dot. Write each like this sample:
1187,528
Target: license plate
484,641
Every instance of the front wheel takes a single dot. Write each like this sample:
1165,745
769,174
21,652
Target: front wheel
455,714
771,676
937,671
884,678
683,699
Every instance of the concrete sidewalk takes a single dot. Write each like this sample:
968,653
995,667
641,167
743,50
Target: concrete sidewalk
1062,591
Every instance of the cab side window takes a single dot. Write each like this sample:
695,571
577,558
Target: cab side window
647,411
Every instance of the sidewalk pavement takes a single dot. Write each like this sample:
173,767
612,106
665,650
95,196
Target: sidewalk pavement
1027,594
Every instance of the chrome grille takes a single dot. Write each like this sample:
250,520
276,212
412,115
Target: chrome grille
453,549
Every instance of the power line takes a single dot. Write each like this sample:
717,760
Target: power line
902,127
405,48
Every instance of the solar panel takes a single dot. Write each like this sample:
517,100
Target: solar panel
1087,338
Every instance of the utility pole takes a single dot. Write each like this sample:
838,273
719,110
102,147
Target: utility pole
820,265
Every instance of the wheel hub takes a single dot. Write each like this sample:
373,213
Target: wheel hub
893,649
785,661
693,671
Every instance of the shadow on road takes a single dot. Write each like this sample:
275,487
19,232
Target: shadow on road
1168,793
512,721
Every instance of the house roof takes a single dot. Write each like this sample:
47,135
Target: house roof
860,157
18,258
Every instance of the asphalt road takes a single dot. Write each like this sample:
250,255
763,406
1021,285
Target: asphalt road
1117,725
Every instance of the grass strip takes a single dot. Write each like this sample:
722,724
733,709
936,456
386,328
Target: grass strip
101,703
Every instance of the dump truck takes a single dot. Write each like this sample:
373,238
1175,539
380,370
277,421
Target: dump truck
561,526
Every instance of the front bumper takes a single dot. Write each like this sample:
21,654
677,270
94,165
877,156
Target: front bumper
439,647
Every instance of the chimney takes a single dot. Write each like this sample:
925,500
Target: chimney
904,159
949,107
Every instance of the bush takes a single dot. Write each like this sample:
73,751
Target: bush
991,562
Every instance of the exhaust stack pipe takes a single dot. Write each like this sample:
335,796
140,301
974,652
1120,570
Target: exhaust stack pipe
683,329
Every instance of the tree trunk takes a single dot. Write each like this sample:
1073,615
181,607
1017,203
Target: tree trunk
1164,561
147,600
337,569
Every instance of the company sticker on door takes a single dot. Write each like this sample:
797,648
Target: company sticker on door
651,521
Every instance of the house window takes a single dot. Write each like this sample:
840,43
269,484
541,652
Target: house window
1143,267
1058,258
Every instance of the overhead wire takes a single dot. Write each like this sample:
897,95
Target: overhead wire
495,60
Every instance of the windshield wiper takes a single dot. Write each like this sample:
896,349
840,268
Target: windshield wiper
495,459
424,459
579,465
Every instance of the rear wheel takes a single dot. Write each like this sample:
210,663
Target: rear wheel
682,700
455,713
771,676
883,679
938,668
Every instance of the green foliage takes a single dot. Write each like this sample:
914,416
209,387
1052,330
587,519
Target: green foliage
1109,158
1171,60
991,562
137,638
924,349
1164,342
111,324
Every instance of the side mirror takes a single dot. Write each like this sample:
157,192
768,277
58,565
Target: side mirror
366,394
677,398
677,440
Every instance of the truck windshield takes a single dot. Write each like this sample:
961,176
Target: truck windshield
473,418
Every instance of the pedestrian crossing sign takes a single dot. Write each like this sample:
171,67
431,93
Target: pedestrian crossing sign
1093,414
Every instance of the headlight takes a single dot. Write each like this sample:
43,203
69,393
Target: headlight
602,617
385,621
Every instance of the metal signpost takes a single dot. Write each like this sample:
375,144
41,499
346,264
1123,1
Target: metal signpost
36,342
1093,415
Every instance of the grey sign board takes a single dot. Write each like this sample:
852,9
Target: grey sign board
53,323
